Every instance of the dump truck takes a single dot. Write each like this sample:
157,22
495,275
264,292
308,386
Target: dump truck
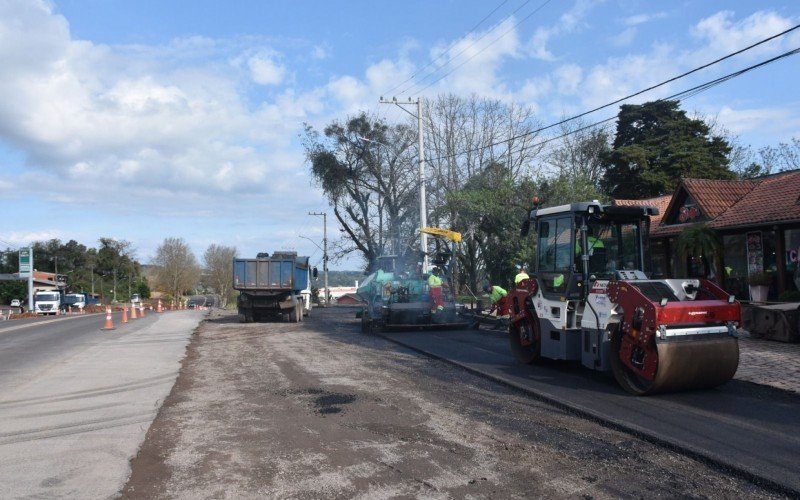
397,295
590,300
276,286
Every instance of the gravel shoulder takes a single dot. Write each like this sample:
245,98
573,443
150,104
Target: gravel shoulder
318,409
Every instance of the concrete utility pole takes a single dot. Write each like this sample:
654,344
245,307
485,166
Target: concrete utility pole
324,253
423,218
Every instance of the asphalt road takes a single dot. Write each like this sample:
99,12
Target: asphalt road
76,401
319,410
747,427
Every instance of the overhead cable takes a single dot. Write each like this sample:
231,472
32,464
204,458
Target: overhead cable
454,43
699,88
537,9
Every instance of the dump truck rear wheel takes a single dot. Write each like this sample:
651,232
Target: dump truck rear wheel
527,354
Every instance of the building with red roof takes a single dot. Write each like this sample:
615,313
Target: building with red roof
758,221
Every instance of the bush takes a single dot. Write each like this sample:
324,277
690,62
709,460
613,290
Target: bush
760,279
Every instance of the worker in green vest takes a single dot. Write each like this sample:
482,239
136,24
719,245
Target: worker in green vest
435,290
521,275
499,299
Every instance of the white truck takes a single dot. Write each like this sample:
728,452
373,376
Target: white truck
47,302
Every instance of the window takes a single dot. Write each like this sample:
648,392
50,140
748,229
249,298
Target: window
792,278
555,245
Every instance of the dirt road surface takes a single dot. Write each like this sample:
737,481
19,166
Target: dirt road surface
320,410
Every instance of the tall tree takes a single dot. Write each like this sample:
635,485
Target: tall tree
219,270
177,269
469,141
114,258
367,170
656,145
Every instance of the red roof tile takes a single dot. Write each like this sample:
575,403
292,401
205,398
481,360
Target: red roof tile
660,202
775,199
732,204
717,196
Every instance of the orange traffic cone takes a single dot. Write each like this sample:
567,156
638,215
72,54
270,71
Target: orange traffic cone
109,325
124,314
141,312
159,306
133,312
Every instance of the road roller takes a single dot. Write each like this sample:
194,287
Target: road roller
590,298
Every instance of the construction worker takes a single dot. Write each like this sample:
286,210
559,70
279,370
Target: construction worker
435,290
521,275
498,297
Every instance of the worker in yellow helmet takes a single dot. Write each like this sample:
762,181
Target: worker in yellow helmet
435,290
521,275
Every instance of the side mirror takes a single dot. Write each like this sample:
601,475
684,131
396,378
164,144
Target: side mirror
526,228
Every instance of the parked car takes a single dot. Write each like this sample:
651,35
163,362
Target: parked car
16,303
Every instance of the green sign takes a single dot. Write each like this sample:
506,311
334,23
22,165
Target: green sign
25,262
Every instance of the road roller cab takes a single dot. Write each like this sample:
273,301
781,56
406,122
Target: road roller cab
590,299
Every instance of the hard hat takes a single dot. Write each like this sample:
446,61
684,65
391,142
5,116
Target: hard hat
487,287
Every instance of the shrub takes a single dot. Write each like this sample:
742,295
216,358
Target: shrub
760,279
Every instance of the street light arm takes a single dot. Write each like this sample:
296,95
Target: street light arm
312,241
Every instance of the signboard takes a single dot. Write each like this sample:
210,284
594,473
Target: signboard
755,253
25,262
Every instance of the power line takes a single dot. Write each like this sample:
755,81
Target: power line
686,94
454,43
537,9
580,115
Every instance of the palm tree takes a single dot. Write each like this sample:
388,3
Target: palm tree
700,240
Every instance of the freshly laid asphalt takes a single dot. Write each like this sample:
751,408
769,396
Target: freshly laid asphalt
748,428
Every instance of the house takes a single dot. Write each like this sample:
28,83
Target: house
758,221
349,299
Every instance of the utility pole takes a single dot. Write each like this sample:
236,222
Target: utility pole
423,218
324,253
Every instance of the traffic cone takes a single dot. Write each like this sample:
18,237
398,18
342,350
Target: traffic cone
159,306
141,312
133,312
109,325
124,314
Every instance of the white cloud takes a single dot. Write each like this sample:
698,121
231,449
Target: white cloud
623,38
569,22
319,52
723,34
783,121
265,70
643,18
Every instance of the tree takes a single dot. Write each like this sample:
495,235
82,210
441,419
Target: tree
114,258
656,145
219,270
177,269
370,184
579,154
702,242
495,206
470,141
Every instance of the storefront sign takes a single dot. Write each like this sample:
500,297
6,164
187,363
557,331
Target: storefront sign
25,258
688,212
755,253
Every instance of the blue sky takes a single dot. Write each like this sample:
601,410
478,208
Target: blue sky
151,119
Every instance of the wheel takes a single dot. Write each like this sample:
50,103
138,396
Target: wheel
525,338
293,317
625,377
366,324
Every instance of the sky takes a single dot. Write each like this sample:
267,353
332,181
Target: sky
142,120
